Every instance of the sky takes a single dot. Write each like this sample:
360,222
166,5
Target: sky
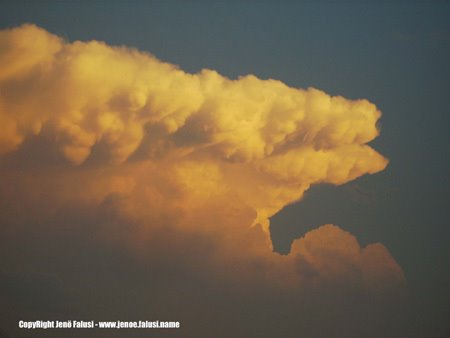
247,168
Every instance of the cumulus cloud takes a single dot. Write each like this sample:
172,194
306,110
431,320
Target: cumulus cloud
168,163
331,253
264,140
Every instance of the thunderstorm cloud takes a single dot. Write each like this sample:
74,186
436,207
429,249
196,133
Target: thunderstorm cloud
178,167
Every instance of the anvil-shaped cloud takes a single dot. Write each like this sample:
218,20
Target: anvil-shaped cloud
205,158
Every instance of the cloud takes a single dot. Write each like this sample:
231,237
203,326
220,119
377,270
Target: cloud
173,169
103,104
329,253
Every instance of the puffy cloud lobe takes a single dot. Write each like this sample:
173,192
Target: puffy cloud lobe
329,253
93,92
198,153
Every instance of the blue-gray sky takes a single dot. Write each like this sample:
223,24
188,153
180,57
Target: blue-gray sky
394,54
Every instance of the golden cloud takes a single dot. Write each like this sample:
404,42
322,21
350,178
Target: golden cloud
199,152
